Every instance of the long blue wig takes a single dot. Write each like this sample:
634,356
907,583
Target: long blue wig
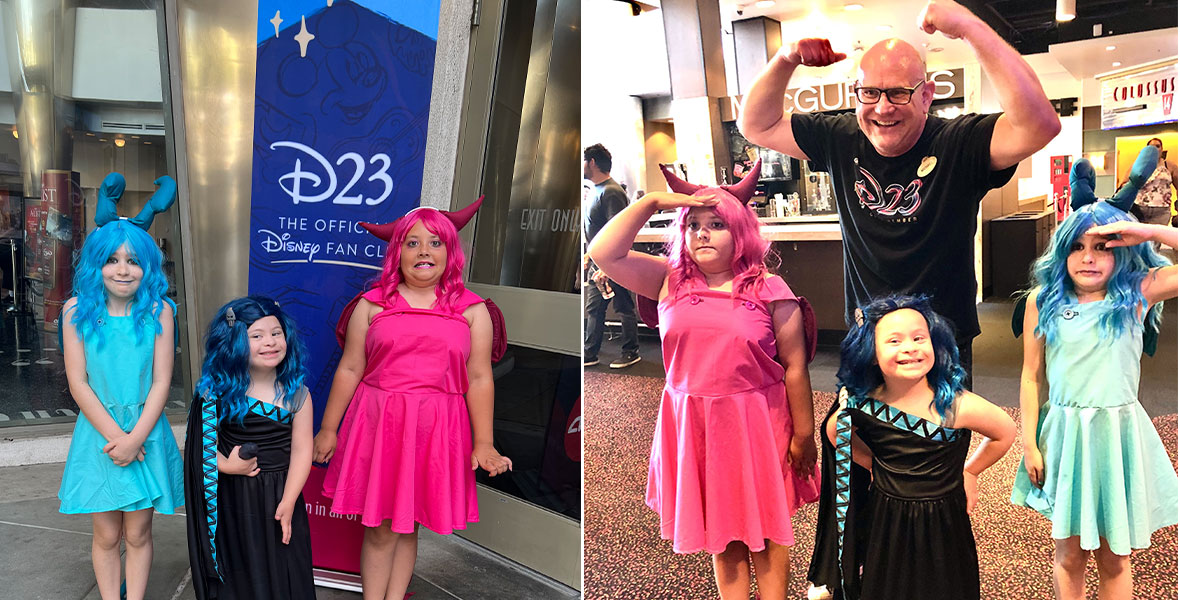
860,373
1124,291
91,293
225,374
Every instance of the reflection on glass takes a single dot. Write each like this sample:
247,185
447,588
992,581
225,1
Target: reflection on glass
75,104
538,424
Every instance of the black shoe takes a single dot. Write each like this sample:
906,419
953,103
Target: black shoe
589,361
625,361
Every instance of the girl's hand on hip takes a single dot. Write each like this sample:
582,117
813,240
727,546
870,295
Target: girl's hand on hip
283,516
485,457
124,450
324,446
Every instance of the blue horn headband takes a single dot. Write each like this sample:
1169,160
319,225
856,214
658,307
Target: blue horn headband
1082,178
111,191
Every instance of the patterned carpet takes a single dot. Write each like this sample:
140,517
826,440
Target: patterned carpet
626,559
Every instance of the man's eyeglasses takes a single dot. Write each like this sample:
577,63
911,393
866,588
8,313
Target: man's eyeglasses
897,95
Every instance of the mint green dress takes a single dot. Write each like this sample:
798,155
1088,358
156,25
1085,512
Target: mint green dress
120,373
1107,474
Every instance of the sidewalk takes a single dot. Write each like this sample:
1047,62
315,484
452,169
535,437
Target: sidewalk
46,555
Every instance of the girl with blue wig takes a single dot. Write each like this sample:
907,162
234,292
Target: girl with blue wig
247,457
1093,462
903,418
118,340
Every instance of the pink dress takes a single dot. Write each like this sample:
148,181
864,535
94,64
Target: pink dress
718,470
404,447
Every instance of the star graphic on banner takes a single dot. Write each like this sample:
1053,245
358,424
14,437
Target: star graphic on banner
303,37
276,22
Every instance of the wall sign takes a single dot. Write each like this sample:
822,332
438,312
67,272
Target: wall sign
342,96
1141,97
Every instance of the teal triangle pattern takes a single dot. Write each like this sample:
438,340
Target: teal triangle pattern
209,472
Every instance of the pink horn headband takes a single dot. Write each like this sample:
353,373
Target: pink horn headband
460,218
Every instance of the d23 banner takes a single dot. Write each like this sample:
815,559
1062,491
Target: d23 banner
342,99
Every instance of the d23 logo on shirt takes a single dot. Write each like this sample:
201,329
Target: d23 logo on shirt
892,202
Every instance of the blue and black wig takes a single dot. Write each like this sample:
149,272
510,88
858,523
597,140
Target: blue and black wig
1124,290
90,292
860,373
225,374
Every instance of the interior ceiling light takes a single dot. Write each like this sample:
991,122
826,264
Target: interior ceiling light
1066,10
851,6
764,3
1109,48
1116,64
884,28
120,142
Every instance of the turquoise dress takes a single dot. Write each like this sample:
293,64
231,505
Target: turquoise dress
120,373
1107,474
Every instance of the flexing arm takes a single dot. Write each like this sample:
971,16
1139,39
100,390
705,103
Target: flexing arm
998,430
75,358
348,376
611,248
792,352
1029,121
763,120
481,392
298,469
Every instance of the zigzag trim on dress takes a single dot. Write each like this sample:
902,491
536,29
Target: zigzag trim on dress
209,473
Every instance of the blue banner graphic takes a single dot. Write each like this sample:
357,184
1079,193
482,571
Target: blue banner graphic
340,116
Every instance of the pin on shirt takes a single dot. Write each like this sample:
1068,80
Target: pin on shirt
927,165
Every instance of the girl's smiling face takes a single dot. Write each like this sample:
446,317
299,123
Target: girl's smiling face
268,343
423,256
122,274
904,349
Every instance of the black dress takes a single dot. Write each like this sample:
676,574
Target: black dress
249,560
906,534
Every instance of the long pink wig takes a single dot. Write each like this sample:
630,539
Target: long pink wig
750,249
450,287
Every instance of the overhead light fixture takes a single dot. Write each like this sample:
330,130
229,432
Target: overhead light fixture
764,3
853,6
1116,64
1111,47
14,132
1067,10
884,28
120,142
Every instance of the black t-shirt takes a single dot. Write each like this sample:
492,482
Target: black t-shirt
908,222
607,200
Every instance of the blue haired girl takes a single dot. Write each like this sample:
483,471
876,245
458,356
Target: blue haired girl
118,339
247,457
1093,463
904,417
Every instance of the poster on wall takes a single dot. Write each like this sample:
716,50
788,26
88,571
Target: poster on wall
342,99
1142,97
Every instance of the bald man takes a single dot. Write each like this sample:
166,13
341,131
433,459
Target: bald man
908,184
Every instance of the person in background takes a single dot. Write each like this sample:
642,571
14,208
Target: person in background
1153,204
907,184
606,199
